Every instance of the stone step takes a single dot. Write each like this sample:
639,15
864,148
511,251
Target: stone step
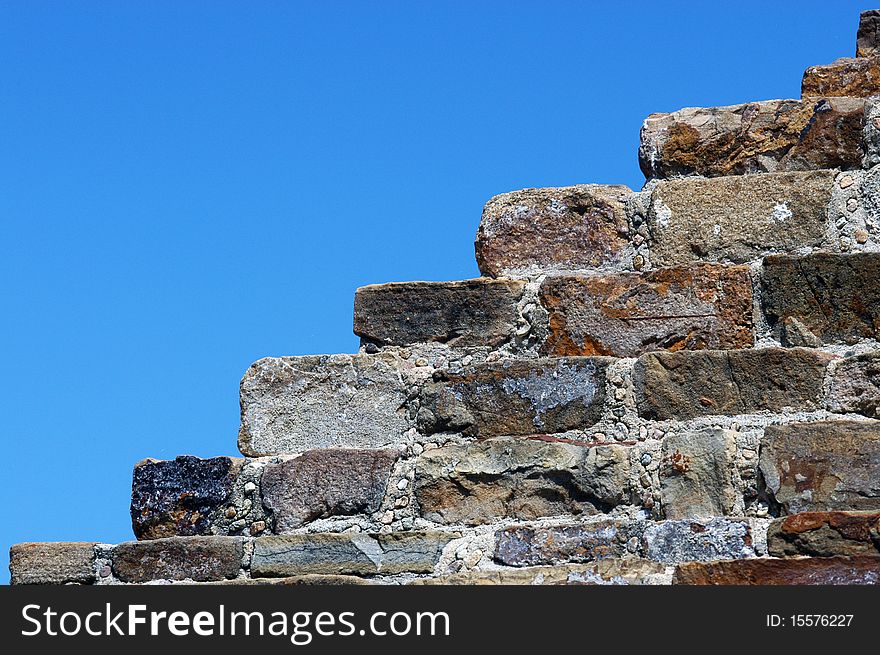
825,534
770,571
544,230
757,137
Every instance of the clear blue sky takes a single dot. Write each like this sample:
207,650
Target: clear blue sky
186,187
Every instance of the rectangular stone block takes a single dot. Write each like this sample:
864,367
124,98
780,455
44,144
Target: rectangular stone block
853,78
179,497
855,386
736,218
348,553
823,466
756,137
627,314
324,483
684,385
52,563
826,297
662,541
604,572
765,571
200,559
825,534
868,36
696,474
525,479
559,229
480,312
538,396
294,404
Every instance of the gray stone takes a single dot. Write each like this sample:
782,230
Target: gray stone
294,404
326,482
529,545
855,386
355,554
685,385
626,314
671,542
52,563
519,478
200,559
696,474
756,137
538,396
822,466
737,218
557,229
478,312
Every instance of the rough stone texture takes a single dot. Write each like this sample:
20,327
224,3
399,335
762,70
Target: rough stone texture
293,404
757,137
835,297
327,482
348,553
605,572
823,466
685,385
52,563
627,314
539,396
736,218
855,386
805,571
178,497
695,474
868,36
200,559
854,78
519,478
478,312
825,534
566,228
663,541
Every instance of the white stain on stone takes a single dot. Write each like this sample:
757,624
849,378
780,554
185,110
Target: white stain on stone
781,212
549,388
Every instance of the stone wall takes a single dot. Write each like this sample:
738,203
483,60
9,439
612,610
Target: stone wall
675,385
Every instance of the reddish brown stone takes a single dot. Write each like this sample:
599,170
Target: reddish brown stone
627,314
854,78
52,563
200,559
805,571
868,37
566,228
825,534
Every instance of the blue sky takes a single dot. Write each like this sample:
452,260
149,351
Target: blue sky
186,187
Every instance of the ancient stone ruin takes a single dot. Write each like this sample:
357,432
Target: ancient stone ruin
678,385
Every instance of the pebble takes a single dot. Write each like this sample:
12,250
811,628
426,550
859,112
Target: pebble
231,512
638,240
421,361
473,558
638,262
105,571
619,394
402,484
643,434
646,459
762,511
371,348
599,436
633,544
852,204
387,518
861,236
250,488
846,181
385,529
257,527
748,453
403,501
466,360
417,449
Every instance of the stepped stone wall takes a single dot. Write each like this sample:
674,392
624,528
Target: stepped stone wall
677,385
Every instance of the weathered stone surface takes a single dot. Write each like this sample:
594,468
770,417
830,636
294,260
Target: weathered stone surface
854,78
823,466
757,137
695,474
326,482
540,230
825,534
684,384
662,541
737,218
480,312
307,580
835,297
804,571
539,396
605,572
293,404
348,553
519,478
627,314
868,36
855,386
52,563
178,497
200,559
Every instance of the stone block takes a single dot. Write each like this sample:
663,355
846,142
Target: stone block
825,534
200,559
52,563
